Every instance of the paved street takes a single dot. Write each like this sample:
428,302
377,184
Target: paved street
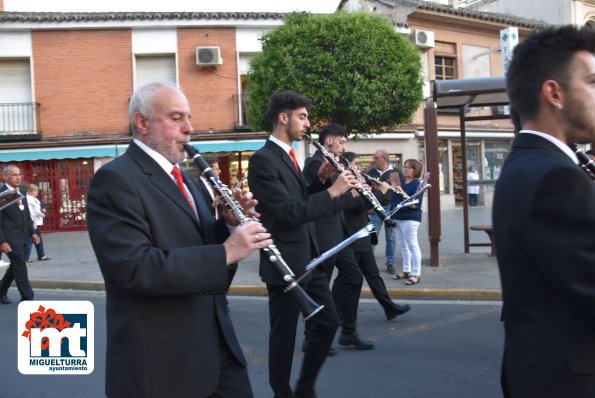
443,349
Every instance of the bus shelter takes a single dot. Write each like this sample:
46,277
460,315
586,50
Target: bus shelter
462,95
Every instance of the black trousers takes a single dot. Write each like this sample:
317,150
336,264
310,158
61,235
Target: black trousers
367,263
347,288
284,314
17,271
233,377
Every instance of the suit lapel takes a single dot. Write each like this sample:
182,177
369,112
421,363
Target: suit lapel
204,214
163,182
287,162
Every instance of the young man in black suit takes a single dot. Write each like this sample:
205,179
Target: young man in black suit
15,229
331,230
544,219
357,218
165,263
288,205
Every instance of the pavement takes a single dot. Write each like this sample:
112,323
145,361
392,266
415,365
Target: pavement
459,276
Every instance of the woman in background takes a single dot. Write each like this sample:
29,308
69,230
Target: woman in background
37,215
408,222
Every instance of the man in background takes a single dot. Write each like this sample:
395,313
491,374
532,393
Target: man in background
382,171
16,228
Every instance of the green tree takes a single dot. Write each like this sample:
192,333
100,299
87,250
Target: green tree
358,71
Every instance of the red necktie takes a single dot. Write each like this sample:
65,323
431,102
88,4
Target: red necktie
295,163
180,181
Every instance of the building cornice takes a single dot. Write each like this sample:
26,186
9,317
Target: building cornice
444,10
71,20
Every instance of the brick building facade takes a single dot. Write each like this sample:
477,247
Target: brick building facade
66,79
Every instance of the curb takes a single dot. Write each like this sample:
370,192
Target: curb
254,290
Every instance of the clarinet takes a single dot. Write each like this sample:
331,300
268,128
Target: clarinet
586,162
308,307
368,196
393,189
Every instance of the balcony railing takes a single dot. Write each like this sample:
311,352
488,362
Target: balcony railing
19,119
240,105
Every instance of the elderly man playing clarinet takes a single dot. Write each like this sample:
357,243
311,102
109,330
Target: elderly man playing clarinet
165,262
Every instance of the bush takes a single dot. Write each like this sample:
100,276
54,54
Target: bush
358,71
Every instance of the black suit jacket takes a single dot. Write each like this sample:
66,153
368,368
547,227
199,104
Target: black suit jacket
206,195
330,229
544,226
287,205
16,226
355,219
165,277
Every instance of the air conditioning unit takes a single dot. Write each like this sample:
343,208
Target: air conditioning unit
208,56
423,38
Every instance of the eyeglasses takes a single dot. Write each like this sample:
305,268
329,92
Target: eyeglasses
14,175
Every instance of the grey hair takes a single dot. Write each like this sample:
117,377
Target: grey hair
384,154
142,101
7,168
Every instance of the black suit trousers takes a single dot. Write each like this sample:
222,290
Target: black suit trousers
347,288
284,314
367,263
17,271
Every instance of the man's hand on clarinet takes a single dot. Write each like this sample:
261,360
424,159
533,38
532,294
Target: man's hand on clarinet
248,203
244,240
326,171
344,182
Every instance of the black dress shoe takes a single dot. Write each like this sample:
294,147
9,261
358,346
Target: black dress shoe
5,300
353,340
398,310
332,352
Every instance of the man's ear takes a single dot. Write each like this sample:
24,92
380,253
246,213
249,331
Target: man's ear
141,123
283,118
553,94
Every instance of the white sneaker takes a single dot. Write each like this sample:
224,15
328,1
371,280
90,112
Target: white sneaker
4,263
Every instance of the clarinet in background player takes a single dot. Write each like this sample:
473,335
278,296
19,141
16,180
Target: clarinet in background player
368,196
586,162
378,182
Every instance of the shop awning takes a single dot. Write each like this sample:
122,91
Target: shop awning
113,150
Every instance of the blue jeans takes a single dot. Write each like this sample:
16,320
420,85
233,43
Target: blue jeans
389,234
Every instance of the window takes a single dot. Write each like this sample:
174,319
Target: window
17,109
155,68
445,61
